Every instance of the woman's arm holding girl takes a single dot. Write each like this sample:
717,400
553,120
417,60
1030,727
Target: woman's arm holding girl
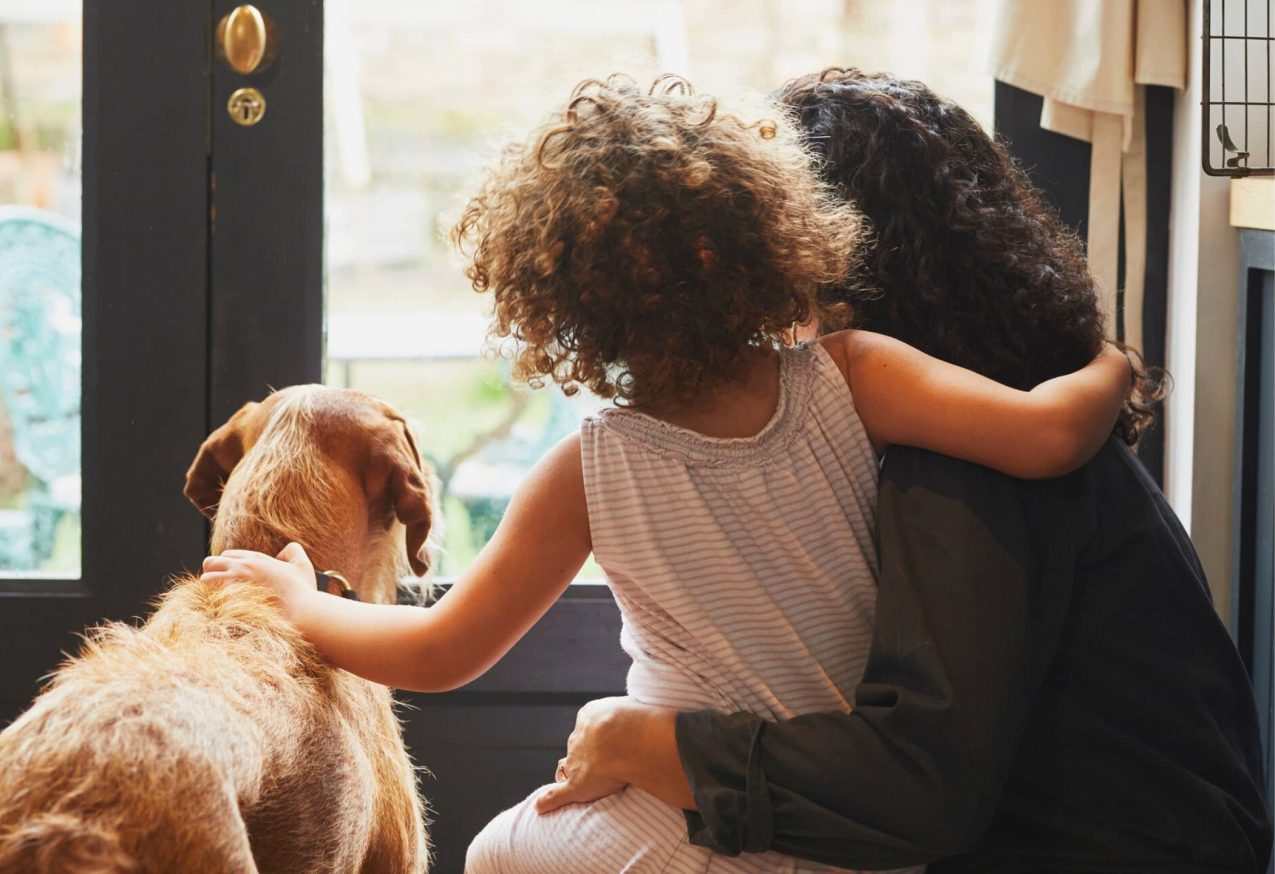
534,555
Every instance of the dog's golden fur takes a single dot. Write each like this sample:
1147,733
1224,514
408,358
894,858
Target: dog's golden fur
213,738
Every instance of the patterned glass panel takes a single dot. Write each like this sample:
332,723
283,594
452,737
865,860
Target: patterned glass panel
40,368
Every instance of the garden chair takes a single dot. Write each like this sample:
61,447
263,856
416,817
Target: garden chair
40,375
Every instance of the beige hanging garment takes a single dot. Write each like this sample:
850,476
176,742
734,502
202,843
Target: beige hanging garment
1090,59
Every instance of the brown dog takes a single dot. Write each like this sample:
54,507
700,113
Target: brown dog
213,738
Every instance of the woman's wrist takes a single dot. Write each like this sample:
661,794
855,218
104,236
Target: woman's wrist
638,744
617,732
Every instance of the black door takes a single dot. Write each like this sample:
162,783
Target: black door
277,268
94,534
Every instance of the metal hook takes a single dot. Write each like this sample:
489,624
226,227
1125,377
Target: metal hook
1228,145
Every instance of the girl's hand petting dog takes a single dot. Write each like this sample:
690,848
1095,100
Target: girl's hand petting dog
289,577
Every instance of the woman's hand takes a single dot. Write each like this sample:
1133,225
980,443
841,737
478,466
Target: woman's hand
617,742
289,577
582,776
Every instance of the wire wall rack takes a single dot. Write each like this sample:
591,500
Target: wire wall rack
1238,105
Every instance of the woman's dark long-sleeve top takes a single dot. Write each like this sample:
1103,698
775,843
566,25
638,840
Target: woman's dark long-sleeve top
1049,689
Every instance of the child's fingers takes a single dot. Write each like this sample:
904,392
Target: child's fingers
247,558
243,553
294,553
222,577
223,567
218,563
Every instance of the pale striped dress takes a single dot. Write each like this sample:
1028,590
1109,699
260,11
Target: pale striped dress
744,569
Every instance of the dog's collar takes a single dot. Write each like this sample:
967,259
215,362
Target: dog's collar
324,583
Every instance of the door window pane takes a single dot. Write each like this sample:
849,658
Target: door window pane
420,96
40,86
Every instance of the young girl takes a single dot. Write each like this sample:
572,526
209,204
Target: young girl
657,249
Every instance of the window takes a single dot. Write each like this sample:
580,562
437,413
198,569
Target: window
419,97
40,75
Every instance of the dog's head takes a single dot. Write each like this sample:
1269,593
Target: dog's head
332,469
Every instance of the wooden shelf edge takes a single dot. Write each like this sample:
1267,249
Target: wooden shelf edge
1253,202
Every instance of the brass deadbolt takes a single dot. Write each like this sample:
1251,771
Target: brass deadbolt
247,106
247,40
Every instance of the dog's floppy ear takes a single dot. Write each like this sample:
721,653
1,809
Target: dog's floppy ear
216,459
410,494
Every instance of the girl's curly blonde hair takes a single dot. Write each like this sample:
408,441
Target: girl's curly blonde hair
642,243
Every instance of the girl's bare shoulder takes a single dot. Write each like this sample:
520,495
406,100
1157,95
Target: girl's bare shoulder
852,348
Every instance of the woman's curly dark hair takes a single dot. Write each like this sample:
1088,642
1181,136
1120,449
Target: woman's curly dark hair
643,242
968,264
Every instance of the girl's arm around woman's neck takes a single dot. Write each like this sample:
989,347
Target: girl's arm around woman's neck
907,397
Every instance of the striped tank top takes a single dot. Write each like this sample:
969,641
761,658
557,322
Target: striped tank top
745,572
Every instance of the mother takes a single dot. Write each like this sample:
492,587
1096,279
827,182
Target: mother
1049,687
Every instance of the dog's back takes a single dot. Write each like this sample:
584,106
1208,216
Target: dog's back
213,738
139,744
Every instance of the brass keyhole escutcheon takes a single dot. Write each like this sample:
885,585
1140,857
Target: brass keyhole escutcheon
247,40
247,106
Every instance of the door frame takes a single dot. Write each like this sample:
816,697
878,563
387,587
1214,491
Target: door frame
145,339
1252,607
266,243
